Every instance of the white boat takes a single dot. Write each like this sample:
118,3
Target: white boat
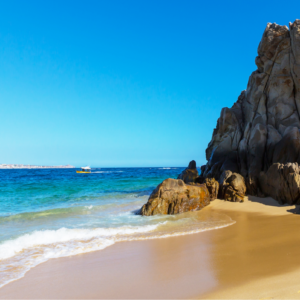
84,170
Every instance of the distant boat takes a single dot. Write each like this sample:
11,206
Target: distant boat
84,170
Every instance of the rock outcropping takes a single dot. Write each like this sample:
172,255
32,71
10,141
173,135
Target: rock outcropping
282,182
232,187
190,173
213,187
173,196
255,147
260,132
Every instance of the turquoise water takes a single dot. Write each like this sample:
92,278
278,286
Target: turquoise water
53,213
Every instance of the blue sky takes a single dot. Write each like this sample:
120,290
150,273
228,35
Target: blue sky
123,83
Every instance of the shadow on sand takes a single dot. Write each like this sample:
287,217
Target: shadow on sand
295,209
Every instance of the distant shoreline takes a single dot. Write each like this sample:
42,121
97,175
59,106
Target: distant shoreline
13,166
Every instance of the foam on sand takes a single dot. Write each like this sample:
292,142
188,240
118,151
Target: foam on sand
19,255
257,258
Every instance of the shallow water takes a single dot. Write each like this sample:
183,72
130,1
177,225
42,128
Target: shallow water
53,213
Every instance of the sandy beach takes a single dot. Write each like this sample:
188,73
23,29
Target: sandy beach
256,258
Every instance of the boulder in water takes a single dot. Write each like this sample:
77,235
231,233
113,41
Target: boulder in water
173,196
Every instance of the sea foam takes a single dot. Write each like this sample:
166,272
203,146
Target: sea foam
17,256
63,235
97,172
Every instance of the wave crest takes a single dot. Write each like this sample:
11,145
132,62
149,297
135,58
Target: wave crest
19,255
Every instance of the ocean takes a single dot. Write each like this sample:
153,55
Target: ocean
51,213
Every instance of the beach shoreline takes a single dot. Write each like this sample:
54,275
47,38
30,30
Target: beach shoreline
238,261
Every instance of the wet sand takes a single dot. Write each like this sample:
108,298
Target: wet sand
256,258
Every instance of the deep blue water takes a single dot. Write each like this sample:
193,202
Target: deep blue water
33,190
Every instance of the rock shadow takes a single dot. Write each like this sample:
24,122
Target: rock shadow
269,201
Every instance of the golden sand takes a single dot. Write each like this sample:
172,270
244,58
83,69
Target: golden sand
256,258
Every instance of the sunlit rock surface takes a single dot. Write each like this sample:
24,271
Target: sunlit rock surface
173,196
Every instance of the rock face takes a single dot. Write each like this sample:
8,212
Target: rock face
282,182
190,173
262,128
213,187
173,196
232,187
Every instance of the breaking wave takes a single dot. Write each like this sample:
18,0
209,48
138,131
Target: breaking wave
19,255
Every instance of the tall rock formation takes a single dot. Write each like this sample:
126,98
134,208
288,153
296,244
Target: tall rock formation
262,127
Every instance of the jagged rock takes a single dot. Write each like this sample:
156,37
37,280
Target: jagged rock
262,127
173,196
213,187
222,183
192,165
190,173
282,182
232,186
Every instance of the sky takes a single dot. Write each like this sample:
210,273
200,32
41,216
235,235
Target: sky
123,83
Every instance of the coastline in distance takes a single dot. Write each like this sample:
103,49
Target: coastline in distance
20,166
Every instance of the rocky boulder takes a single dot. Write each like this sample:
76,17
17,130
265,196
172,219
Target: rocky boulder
262,128
232,187
173,196
190,173
282,182
213,187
